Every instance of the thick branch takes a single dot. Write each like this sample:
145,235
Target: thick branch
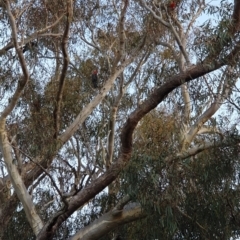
236,16
187,103
16,180
112,124
209,130
57,110
157,96
121,33
109,221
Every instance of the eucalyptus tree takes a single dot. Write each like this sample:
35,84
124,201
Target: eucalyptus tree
66,146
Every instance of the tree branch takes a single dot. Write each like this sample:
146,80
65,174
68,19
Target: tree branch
109,221
17,182
22,82
112,122
91,106
226,91
57,110
37,34
164,23
121,48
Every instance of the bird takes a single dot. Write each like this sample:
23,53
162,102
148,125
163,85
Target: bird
28,46
172,5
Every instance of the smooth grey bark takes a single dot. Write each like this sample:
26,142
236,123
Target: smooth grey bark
109,221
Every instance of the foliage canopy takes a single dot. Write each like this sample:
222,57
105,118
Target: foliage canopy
152,153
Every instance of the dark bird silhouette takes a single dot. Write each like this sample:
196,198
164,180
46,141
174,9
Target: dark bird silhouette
28,46
95,78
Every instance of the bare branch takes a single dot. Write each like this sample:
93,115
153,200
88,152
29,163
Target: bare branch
109,221
221,96
64,68
121,46
187,103
24,80
141,62
164,23
211,130
17,182
38,34
180,44
112,122
197,149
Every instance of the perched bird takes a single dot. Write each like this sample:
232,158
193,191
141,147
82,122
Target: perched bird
95,78
28,46
172,5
